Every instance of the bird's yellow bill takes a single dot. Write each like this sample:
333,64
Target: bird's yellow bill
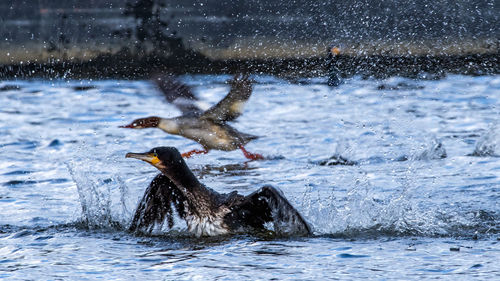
335,51
147,157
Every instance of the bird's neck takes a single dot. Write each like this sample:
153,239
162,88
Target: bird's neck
182,176
169,125
199,197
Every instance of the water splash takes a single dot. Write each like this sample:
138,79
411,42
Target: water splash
432,150
367,212
488,144
342,155
103,199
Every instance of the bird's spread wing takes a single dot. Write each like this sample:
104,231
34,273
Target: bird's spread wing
268,205
231,106
156,205
177,93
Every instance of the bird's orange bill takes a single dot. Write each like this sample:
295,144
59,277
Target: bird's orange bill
147,157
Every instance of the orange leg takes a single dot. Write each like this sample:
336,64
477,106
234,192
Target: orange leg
251,156
194,151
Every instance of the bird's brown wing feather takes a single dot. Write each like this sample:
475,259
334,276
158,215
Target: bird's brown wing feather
156,205
177,93
231,106
268,205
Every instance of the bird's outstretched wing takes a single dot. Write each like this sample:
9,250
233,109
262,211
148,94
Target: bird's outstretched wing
231,106
268,205
156,205
177,93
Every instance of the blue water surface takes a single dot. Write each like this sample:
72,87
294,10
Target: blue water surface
421,200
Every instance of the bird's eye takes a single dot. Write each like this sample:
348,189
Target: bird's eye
155,155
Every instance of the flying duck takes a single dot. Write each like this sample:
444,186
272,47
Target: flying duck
209,128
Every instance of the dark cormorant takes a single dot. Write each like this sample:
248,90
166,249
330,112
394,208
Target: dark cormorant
208,128
207,212
334,79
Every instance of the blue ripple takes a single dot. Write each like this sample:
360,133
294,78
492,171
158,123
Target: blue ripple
351,256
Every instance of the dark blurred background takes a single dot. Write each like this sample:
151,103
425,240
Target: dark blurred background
90,35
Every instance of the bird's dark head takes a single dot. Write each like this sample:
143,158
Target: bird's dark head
141,123
162,158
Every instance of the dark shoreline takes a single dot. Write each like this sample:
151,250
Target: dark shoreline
126,66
